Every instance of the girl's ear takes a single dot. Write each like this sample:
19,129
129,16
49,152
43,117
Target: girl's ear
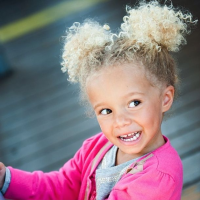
168,97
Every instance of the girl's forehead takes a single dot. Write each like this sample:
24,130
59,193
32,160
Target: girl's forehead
120,77
109,73
119,81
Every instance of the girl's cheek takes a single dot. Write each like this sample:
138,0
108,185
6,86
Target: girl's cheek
101,122
105,125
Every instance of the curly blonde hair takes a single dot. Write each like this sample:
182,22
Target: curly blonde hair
149,32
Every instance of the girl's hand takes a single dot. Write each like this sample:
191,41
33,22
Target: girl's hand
2,174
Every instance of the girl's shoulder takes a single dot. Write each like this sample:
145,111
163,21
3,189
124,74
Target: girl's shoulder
165,160
167,157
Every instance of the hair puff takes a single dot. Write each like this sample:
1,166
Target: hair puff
84,48
154,26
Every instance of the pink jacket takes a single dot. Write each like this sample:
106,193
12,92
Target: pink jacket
155,176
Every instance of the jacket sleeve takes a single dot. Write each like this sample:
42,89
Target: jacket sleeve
53,185
147,186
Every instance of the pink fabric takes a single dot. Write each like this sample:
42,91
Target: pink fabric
161,177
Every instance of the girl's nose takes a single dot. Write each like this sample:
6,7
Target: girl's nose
122,119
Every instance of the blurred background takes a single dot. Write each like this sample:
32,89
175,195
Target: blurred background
42,124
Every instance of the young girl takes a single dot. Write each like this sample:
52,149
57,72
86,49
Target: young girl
129,80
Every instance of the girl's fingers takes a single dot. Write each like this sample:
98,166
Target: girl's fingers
1,165
2,168
2,174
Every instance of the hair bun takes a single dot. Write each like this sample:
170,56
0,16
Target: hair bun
153,26
83,48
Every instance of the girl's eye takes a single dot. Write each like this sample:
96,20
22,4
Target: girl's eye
105,111
134,104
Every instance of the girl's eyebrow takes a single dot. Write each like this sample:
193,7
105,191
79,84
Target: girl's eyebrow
97,105
133,93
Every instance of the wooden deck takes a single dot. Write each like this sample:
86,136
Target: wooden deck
41,122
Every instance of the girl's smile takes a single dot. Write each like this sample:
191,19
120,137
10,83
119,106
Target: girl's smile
130,136
129,108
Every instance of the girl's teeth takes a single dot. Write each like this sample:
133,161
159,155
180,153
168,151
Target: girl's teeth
124,136
135,135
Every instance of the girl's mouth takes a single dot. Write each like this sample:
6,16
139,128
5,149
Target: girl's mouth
130,137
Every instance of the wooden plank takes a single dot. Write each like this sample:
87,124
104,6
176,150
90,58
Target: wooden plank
66,149
41,107
188,141
38,129
191,166
192,192
27,150
40,112
184,100
175,123
38,101
19,93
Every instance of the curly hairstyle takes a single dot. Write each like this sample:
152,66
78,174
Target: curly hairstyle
149,32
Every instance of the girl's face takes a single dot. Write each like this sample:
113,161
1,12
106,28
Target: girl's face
128,108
